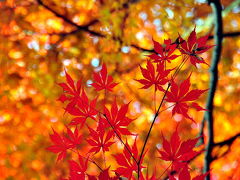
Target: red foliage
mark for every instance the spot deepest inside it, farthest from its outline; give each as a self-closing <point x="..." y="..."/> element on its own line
<point x="103" y="80"/>
<point x="70" y="91"/>
<point x="113" y="123"/>
<point x="117" y="119"/>
<point x="158" y="78"/>
<point x="127" y="161"/>
<point x="97" y="141"/>
<point x="193" y="47"/>
<point x="179" y="153"/>
<point x="164" y="52"/>
<point x="180" y="96"/>
<point x="83" y="110"/>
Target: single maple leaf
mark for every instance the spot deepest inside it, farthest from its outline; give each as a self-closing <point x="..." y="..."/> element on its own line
<point x="158" y="78"/>
<point x="164" y="52"/>
<point x="117" y="119"/>
<point x="104" y="175"/>
<point x="185" y="175"/>
<point x="97" y="140"/>
<point x="77" y="170"/>
<point x="103" y="80"/>
<point x="180" y="95"/>
<point x="83" y="110"/>
<point x="193" y="47"/>
<point x="61" y="145"/>
<point x="178" y="152"/>
<point x="71" y="92"/>
<point x="126" y="161"/>
<point x="74" y="137"/>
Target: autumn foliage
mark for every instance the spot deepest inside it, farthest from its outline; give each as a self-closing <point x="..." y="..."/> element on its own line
<point x="109" y="124"/>
<point x="129" y="65"/>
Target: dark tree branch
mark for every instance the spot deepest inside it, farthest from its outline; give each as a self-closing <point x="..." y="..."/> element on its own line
<point x="56" y="13"/>
<point x="227" y="35"/>
<point x="79" y="27"/>
<point x="87" y="29"/>
<point x="228" y="141"/>
<point x="208" y="116"/>
<point x="141" y="49"/>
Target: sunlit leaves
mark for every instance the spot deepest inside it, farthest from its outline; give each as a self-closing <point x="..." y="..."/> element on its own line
<point x="71" y="92"/>
<point x="103" y="80"/>
<point x="178" y="152"/>
<point x="61" y="145"/>
<point x="99" y="141"/>
<point x="164" y="53"/>
<point x="152" y="77"/>
<point x="193" y="47"/>
<point x="180" y="96"/>
<point x="35" y="43"/>
<point x="77" y="170"/>
<point x="116" y="119"/>
<point x="125" y="161"/>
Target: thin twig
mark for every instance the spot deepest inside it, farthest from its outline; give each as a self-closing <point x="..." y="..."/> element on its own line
<point x="149" y="132"/>
<point x="164" y="171"/>
<point x="158" y="112"/>
<point x="120" y="138"/>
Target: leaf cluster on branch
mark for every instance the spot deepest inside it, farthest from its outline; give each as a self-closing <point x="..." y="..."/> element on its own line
<point x="109" y="124"/>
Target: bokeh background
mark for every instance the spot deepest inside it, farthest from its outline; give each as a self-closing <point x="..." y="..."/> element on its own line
<point x="38" y="38"/>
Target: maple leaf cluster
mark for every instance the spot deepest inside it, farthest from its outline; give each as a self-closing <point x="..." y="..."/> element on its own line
<point x="158" y="77"/>
<point x="109" y="125"/>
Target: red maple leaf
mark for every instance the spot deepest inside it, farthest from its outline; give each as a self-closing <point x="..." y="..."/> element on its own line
<point x="193" y="47"/>
<point x="158" y="78"/>
<point x="83" y="110"/>
<point x="178" y="152"/>
<point x="104" y="175"/>
<point x="97" y="140"/>
<point x="185" y="175"/>
<point x="61" y="145"/>
<point x="74" y="137"/>
<point x="126" y="161"/>
<point x="117" y="120"/>
<point x="77" y="170"/>
<point x="180" y="95"/>
<point x="103" y="80"/>
<point x="70" y="91"/>
<point x="164" y="52"/>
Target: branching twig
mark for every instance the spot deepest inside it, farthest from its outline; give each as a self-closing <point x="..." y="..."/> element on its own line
<point x="87" y="29"/>
<point x="120" y="139"/>
<point x="228" y="141"/>
<point x="79" y="27"/>
<point x="149" y="132"/>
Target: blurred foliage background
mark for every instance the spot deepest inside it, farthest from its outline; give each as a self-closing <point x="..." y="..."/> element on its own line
<point x="38" y="38"/>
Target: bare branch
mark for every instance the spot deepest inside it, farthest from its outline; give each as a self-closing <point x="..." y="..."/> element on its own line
<point x="227" y="35"/>
<point x="228" y="141"/>
<point x="79" y="27"/>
